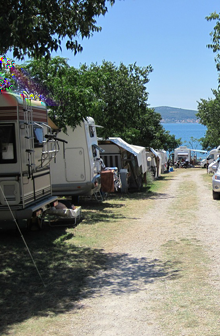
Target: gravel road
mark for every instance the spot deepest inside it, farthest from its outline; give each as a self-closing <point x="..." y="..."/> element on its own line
<point x="123" y="299"/>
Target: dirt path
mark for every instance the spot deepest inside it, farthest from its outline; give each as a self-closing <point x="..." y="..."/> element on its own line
<point x="163" y="277"/>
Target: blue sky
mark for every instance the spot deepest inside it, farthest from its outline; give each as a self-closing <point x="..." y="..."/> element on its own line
<point x="170" y="35"/>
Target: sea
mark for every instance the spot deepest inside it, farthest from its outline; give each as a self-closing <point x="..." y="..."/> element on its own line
<point x="185" y="131"/>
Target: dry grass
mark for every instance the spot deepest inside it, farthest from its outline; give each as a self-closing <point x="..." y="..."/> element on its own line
<point x="188" y="304"/>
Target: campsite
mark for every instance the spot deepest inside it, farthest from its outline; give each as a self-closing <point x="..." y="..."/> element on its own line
<point x="134" y="257"/>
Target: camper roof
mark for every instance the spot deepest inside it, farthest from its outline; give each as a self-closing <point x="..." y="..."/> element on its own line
<point x="12" y="107"/>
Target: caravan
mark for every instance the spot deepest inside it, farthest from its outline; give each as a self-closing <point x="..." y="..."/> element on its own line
<point x="76" y="171"/>
<point x="182" y="153"/>
<point x="163" y="155"/>
<point x="26" y="149"/>
<point x="154" y="163"/>
<point x="213" y="155"/>
<point x="130" y="161"/>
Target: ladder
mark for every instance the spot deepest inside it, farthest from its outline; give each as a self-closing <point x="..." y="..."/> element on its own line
<point x="50" y="145"/>
<point x="29" y="134"/>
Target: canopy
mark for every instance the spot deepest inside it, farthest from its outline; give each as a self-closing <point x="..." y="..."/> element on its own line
<point x="137" y="151"/>
<point x="200" y="151"/>
<point x="154" y="152"/>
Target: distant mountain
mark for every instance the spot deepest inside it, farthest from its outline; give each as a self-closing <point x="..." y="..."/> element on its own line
<point x="176" y="115"/>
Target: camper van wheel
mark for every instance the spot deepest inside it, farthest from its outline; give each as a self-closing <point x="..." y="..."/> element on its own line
<point x="215" y="195"/>
<point x="35" y="223"/>
<point x="75" y="199"/>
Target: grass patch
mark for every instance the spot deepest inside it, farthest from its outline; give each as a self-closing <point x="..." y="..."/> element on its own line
<point x="207" y="178"/>
<point x="189" y="303"/>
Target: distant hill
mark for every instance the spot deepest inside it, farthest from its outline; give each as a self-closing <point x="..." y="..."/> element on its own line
<point x="176" y="115"/>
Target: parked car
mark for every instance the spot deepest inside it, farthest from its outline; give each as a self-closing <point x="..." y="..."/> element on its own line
<point x="212" y="168"/>
<point x="216" y="184"/>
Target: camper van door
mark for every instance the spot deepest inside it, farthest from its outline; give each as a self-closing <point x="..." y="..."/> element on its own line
<point x="78" y="173"/>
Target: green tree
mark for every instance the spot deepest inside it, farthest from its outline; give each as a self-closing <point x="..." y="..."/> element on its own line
<point x="36" y="28"/>
<point x="115" y="96"/>
<point x="192" y="143"/>
<point x="121" y="93"/>
<point x="215" y="35"/>
<point x="59" y="85"/>
<point x="123" y="110"/>
<point x="208" y="113"/>
<point x="209" y="110"/>
<point x="149" y="132"/>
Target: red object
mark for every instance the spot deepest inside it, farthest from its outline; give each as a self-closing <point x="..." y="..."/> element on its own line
<point x="107" y="181"/>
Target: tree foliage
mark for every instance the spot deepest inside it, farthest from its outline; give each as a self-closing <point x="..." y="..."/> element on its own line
<point x="215" y="35"/>
<point x="121" y="93"/>
<point x="209" y="110"/>
<point x="36" y="28"/>
<point x="209" y="114"/>
<point x="60" y="86"/>
<point x="115" y="96"/>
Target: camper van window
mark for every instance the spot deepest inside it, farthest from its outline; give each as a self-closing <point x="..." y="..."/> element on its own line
<point x="38" y="137"/>
<point x="7" y="144"/>
<point x="94" y="151"/>
<point x="91" y="131"/>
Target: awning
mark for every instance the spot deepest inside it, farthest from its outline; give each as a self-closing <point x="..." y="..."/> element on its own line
<point x="121" y="143"/>
<point x="52" y="124"/>
<point x="154" y="152"/>
<point x="199" y="151"/>
<point x="137" y="151"/>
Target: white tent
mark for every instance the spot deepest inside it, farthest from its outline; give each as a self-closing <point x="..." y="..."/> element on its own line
<point x="137" y="151"/>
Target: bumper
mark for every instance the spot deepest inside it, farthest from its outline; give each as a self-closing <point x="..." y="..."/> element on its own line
<point x="215" y="184"/>
<point x="27" y="213"/>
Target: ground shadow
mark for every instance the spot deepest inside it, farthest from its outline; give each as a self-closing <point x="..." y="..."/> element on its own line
<point x="127" y="274"/>
<point x="64" y="269"/>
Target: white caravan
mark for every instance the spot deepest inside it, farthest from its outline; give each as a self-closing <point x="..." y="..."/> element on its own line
<point x="154" y="162"/>
<point x="182" y="153"/>
<point x="26" y="149"/>
<point x="213" y="155"/>
<point x="76" y="171"/>
<point x="163" y="155"/>
<point x="129" y="159"/>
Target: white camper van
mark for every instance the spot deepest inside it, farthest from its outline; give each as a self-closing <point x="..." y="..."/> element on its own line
<point x="182" y="153"/>
<point x="76" y="171"/>
<point x="213" y="155"/>
<point x="26" y="150"/>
